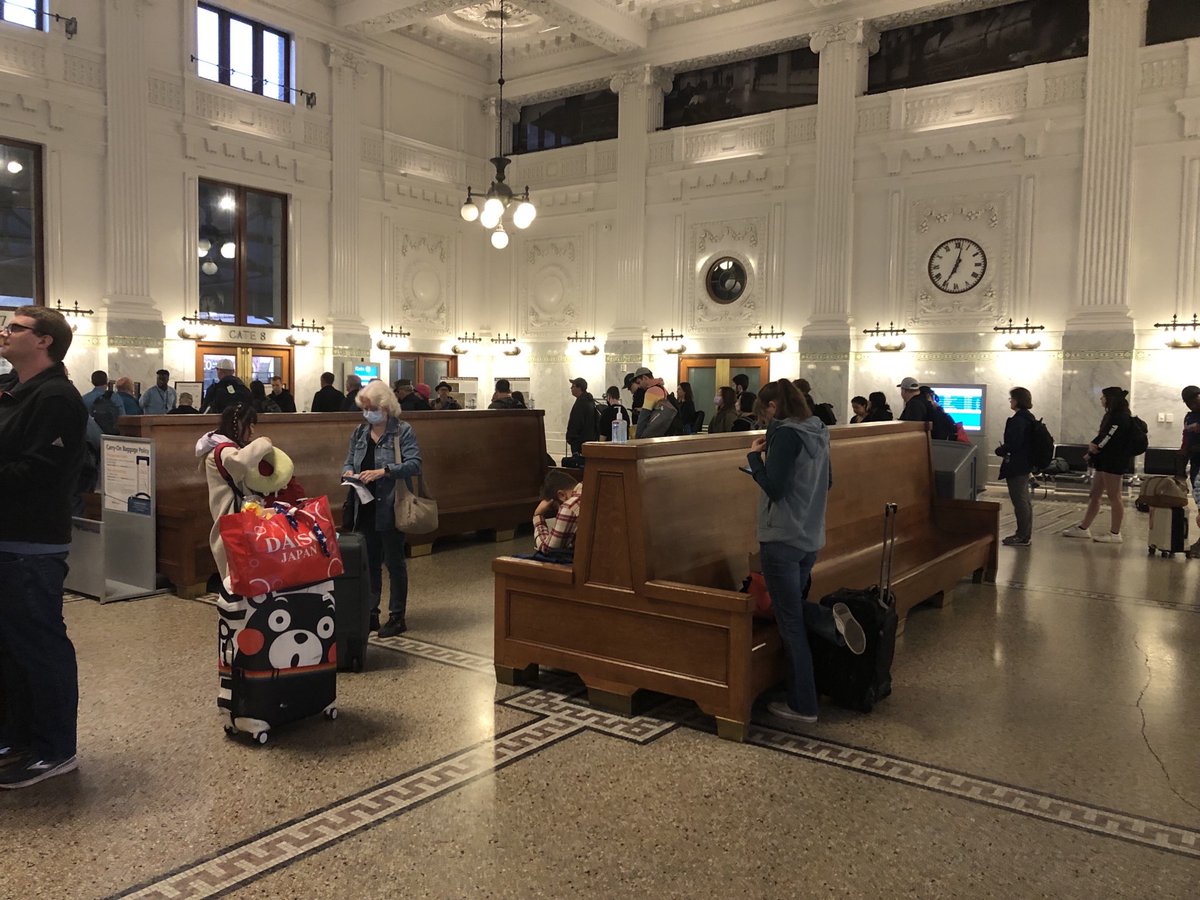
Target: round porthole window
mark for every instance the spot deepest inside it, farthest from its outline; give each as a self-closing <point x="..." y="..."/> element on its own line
<point x="726" y="280"/>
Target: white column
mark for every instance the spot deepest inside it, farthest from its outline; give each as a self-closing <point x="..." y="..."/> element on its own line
<point x="1115" y="34"/>
<point x="844" y="50"/>
<point x="346" y="68"/>
<point x="127" y="169"/>
<point x="640" y="90"/>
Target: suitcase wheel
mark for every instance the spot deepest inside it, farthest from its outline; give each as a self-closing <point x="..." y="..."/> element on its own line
<point x="1164" y="553"/>
<point x="331" y="713"/>
<point x="231" y="731"/>
<point x="262" y="737"/>
<point x="1150" y="550"/>
<point x="867" y="702"/>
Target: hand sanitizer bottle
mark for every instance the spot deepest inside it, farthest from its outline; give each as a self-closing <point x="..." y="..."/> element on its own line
<point x="620" y="428"/>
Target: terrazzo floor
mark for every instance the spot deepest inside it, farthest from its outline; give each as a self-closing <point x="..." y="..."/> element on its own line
<point x="1041" y="742"/>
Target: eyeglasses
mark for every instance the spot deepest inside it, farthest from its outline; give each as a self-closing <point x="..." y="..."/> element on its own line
<point x="15" y="327"/>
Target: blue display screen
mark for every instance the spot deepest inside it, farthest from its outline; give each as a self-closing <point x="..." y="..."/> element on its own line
<point x="964" y="403"/>
<point x="366" y="371"/>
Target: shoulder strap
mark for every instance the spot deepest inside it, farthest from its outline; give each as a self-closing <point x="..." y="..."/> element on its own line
<point x="239" y="497"/>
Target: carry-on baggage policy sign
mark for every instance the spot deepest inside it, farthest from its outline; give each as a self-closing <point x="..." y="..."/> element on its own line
<point x="126" y="464"/>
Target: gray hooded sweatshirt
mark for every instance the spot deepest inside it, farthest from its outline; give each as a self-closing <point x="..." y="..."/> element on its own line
<point x="795" y="483"/>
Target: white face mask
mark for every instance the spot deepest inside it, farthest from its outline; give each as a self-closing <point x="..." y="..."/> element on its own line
<point x="374" y="416"/>
<point x="717" y="400"/>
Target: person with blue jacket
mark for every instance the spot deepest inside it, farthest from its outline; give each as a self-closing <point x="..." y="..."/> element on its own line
<point x="791" y="465"/>
<point x="382" y="450"/>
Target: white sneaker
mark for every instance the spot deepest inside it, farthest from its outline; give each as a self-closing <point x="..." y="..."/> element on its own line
<point x="1076" y="532"/>
<point x="1109" y="538"/>
<point x="781" y="710"/>
<point x="849" y="628"/>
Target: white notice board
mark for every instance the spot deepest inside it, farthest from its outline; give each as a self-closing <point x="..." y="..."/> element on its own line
<point x="127" y="474"/>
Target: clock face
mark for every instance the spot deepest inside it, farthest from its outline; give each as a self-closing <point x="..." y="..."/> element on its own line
<point x="957" y="265"/>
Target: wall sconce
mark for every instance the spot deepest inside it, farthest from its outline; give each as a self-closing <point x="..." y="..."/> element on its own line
<point x="672" y="343"/>
<point x="587" y="343"/>
<point x="1024" y="338"/>
<point x="508" y="344"/>
<point x="299" y="340"/>
<point x="769" y="341"/>
<point x="889" y="339"/>
<point x="463" y="347"/>
<point x="198" y="330"/>
<point x="73" y="312"/>
<point x="390" y="336"/>
<point x="70" y="23"/>
<point x="1181" y="343"/>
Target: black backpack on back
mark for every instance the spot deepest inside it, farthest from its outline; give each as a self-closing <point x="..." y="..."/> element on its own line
<point x="1141" y="437"/>
<point x="1041" y="446"/>
<point x="106" y="412"/>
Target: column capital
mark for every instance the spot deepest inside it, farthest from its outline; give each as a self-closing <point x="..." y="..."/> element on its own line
<point x="344" y="60"/>
<point x="859" y="32"/>
<point x="643" y="78"/>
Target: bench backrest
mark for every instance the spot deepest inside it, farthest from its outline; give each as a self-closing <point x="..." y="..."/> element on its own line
<point x="678" y="509"/>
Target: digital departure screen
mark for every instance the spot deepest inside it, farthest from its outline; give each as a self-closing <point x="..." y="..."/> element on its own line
<point x="964" y="403"/>
<point x="366" y="371"/>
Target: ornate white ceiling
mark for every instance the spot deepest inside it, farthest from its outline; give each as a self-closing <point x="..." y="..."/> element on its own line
<point x="547" y="37"/>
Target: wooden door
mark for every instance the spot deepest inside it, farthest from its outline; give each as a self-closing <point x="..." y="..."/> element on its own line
<point x="253" y="362"/>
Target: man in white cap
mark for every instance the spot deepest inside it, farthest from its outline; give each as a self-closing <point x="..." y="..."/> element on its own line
<point x="228" y="390"/>
<point x="916" y="407"/>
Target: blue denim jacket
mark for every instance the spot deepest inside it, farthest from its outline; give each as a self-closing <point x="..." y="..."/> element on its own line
<point x="385" y="458"/>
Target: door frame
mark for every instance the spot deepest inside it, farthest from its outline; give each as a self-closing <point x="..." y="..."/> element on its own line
<point x="241" y="353"/>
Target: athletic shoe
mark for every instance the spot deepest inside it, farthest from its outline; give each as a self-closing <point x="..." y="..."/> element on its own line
<point x="1109" y="538"/>
<point x="781" y="710"/>
<point x="1013" y="541"/>
<point x="374" y="624"/>
<point x="32" y="772"/>
<point x="848" y="627"/>
<point x="1076" y="532"/>
<point x="12" y="754"/>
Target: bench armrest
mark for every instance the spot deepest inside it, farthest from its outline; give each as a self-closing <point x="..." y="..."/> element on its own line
<point x="695" y="595"/>
<point x="556" y="573"/>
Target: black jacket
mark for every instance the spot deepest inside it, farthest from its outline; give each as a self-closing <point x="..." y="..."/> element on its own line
<point x="1017" y="445"/>
<point x="414" y="402"/>
<point x="609" y="415"/>
<point x="878" y="415"/>
<point x="348" y="405"/>
<point x="226" y="392"/>
<point x="42" y="428"/>
<point x="328" y="399"/>
<point x="583" y="423"/>
<point x="1115" y="441"/>
<point x="285" y="400"/>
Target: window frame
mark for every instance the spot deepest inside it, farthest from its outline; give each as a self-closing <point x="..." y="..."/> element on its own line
<point x="224" y="63"/>
<point x="38" y="10"/>
<point x="242" y="274"/>
<point x="39" y="208"/>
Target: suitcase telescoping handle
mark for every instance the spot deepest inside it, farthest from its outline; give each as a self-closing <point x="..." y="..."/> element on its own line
<point x="889" y="550"/>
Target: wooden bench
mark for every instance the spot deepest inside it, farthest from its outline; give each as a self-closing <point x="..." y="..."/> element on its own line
<point x="666" y="526"/>
<point x="485" y="467"/>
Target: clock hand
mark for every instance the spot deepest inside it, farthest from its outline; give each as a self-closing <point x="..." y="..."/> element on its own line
<point x="957" y="263"/>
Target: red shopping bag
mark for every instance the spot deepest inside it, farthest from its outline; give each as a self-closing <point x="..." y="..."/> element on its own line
<point x="279" y="547"/>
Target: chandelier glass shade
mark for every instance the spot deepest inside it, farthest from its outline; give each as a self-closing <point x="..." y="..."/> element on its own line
<point x="499" y="197"/>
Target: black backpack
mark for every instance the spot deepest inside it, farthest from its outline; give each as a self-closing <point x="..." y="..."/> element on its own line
<point x="944" y="427"/>
<point x="106" y="412"/>
<point x="1041" y="446"/>
<point x="824" y="412"/>
<point x="1141" y="437"/>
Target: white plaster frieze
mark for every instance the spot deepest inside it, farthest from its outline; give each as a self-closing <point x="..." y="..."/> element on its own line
<point x="164" y="93"/>
<point x="84" y="71"/>
<point x="424" y="281"/>
<point x="735" y="177"/>
<point x="553" y="295"/>
<point x="858" y="32"/>
<point x="968" y="142"/>
<point x="37" y="112"/>
<point x="742" y="239"/>
<point x="232" y="150"/>
<point x="20" y="57"/>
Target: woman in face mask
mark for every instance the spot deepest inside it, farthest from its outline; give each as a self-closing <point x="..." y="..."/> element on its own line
<point x="726" y="411"/>
<point x="382" y="449"/>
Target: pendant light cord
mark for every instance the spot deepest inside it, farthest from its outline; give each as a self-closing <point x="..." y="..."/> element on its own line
<point x="500" y="82"/>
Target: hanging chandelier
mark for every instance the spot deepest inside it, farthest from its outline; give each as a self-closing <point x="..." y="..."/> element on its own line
<point x="499" y="196"/>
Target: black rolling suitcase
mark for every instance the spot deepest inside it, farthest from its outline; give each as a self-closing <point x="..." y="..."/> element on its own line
<point x="859" y="682"/>
<point x="353" y="605"/>
<point x="276" y="658"/>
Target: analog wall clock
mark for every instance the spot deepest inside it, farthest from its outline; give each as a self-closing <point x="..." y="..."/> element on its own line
<point x="957" y="265"/>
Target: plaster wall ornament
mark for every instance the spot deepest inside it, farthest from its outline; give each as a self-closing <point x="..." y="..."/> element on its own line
<point x="783" y="45"/>
<point x="552" y="284"/>
<point x="562" y="91"/>
<point x="985" y="218"/>
<point x="643" y="79"/>
<point x="591" y="31"/>
<point x="344" y="60"/>
<point x="1189" y="109"/>
<point x="423" y="289"/>
<point x="967" y="144"/>
<point x="932" y="13"/>
<point x="394" y="21"/>
<point x="744" y="240"/>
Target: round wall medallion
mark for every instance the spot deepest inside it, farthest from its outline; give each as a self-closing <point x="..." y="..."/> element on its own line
<point x="726" y="280"/>
<point x="424" y="286"/>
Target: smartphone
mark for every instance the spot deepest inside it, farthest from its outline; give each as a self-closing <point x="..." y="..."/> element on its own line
<point x="746" y="469"/>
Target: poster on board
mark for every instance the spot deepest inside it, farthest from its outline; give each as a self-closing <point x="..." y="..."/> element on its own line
<point x="126" y="468"/>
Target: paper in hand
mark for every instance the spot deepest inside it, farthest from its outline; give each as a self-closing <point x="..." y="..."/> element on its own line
<point x="361" y="490"/>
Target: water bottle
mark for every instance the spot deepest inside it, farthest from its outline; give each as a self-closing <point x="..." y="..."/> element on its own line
<point x="620" y="428"/>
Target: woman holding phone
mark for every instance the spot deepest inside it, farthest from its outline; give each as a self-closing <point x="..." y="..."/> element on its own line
<point x="790" y="463"/>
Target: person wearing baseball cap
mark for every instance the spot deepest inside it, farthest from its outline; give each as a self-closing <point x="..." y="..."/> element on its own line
<point x="583" y="424"/>
<point x="916" y="407"/>
<point x="227" y="391"/>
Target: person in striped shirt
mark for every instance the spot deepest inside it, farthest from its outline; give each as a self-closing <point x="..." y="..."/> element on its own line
<point x="560" y="498"/>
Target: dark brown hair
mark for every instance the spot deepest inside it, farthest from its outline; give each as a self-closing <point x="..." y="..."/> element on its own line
<point x="557" y="480"/>
<point x="53" y="325"/>
<point x="789" y="402"/>
<point x="684" y="392"/>
<point x="728" y="398"/>
<point x="1022" y="396"/>
<point x="234" y="421"/>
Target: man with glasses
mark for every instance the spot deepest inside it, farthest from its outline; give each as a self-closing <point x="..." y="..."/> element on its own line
<point x="42" y="426"/>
